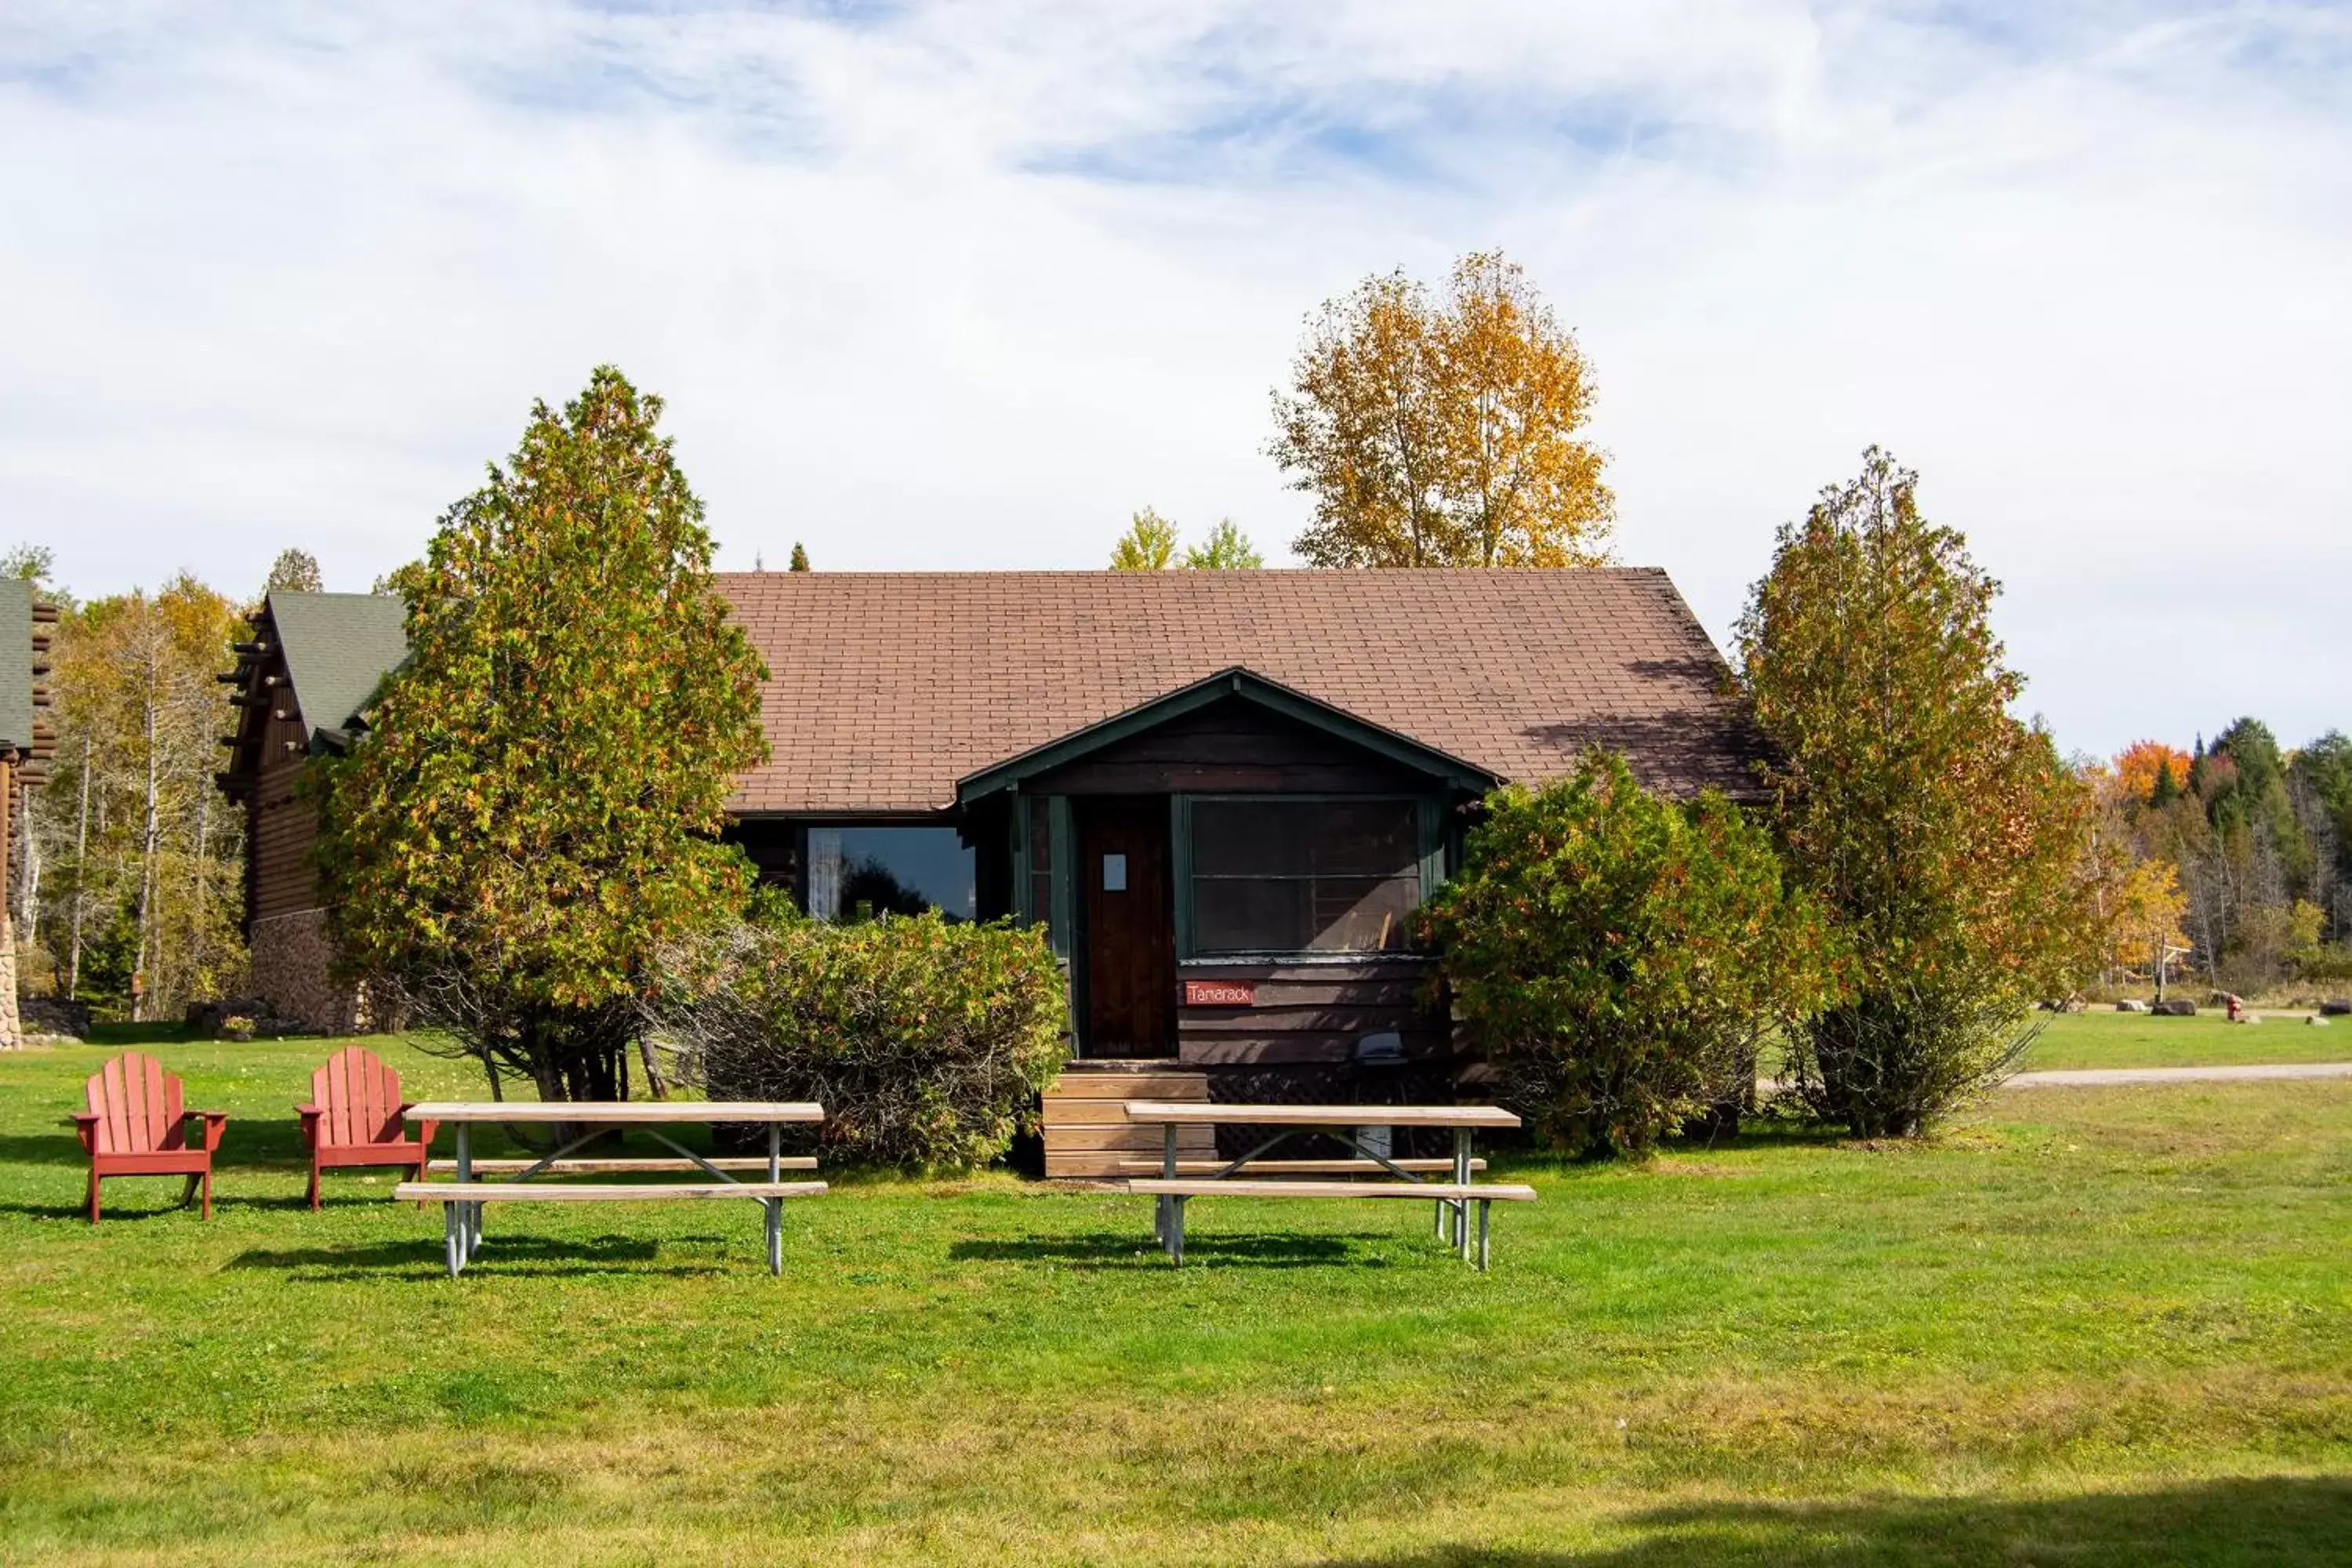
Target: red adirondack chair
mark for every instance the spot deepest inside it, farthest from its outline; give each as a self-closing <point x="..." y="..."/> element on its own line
<point x="354" y="1118"/>
<point x="134" y="1127"/>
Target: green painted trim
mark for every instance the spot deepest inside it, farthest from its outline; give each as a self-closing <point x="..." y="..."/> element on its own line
<point x="1063" y="928"/>
<point x="1022" y="900"/>
<point x="1061" y="846"/>
<point x="1180" y="864"/>
<point x="1250" y="686"/>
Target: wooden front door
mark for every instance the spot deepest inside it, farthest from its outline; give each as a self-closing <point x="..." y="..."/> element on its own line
<point x="1129" y="913"/>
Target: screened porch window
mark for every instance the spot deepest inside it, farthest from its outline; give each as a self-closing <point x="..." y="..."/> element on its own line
<point x="1303" y="876"/>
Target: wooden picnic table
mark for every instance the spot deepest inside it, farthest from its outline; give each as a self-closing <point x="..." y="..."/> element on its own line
<point x="1452" y="1197"/>
<point x="463" y="1201"/>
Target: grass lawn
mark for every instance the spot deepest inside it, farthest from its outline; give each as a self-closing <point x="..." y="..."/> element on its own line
<point x="2083" y="1325"/>
<point x="2112" y="1039"/>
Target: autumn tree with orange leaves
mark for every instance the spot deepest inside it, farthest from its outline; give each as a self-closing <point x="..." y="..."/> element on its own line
<point x="1444" y="433"/>
<point x="2152" y="772"/>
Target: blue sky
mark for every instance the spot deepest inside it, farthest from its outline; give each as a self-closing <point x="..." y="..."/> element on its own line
<point x="964" y="285"/>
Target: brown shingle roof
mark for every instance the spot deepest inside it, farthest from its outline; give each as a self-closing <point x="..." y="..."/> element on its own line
<point x="884" y="689"/>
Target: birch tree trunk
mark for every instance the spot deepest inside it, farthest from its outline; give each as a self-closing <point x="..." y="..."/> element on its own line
<point x="151" y="842"/>
<point x="81" y="873"/>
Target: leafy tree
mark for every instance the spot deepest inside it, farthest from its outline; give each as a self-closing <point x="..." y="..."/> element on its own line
<point x="2325" y="767"/>
<point x="2143" y="915"/>
<point x="1443" y="434"/>
<point x="155" y="853"/>
<point x="294" y="572"/>
<point x="1619" y="955"/>
<point x="1227" y="548"/>
<point x="1946" y="841"/>
<point x="800" y="558"/>
<point x="2320" y="781"/>
<point x="2142" y="768"/>
<point x="1148" y="545"/>
<point x="534" y="807"/>
<point x="28" y="562"/>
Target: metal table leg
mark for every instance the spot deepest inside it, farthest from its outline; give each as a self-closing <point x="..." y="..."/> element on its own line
<point x="1483" y="1207"/>
<point x="1166" y="1214"/>
<point x="775" y="1206"/>
<point x="1461" y="1179"/>
<point x="469" y="1214"/>
<point x="452" y="1253"/>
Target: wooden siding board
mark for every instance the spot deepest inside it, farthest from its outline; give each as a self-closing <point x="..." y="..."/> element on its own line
<point x="1294" y="1049"/>
<point x="1231" y="746"/>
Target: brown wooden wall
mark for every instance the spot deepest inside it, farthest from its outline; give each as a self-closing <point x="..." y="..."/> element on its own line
<point x="1231" y="745"/>
<point x="280" y="827"/>
<point x="1311" y="1012"/>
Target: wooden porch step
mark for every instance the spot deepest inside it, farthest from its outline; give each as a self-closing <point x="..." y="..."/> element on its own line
<point x="1087" y="1135"/>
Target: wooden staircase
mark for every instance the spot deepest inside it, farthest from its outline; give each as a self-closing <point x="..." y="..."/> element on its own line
<point x="1087" y="1135"/>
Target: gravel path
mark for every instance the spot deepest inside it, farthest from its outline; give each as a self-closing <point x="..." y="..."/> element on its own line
<point x="2094" y="1075"/>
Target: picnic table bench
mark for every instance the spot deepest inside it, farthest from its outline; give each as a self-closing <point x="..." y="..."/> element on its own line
<point x="1452" y="1197"/>
<point x="462" y="1201"/>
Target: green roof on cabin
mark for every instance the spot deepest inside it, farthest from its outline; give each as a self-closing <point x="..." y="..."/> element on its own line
<point x="16" y="664"/>
<point x="339" y="647"/>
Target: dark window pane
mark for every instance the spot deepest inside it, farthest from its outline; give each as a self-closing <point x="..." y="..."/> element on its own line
<point x="857" y="873"/>
<point x="1247" y="838"/>
<point x="1304" y="838"/>
<point x="1247" y="915"/>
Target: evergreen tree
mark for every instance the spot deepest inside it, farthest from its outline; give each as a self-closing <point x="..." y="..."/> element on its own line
<point x="534" y="807"/>
<point x="294" y="572"/>
<point x="1946" y="841"/>
<point x="800" y="558"/>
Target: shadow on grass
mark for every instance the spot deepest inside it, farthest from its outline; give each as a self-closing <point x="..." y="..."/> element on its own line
<point x="2268" y="1519"/>
<point x="60" y="1148"/>
<point x="1125" y="1249"/>
<point x="139" y="1034"/>
<point x="153" y="1197"/>
<point x="508" y="1255"/>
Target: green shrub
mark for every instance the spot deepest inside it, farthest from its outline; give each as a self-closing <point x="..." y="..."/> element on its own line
<point x="924" y="1040"/>
<point x="1619" y="956"/>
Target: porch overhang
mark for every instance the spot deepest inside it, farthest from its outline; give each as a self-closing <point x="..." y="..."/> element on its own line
<point x="1245" y="685"/>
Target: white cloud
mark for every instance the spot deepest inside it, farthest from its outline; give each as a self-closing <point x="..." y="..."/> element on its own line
<point x="962" y="285"/>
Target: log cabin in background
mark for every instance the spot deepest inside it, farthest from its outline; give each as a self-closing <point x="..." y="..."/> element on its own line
<point x="312" y="662"/>
<point x="1223" y="794"/>
<point x="27" y="745"/>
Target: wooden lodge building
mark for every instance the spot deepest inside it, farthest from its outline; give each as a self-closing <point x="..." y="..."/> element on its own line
<point x="313" y="661"/>
<point x="1223" y="794"/>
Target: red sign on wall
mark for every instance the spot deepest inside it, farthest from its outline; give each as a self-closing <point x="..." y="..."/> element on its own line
<point x="1221" y="993"/>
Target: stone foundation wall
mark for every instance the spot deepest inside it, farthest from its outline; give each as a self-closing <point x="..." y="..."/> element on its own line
<point x="293" y="966"/>
<point x="11" y="1033"/>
